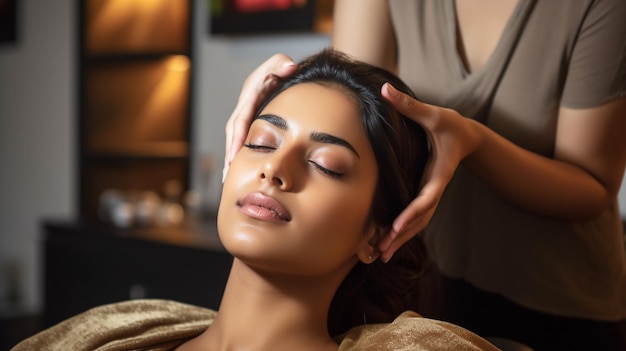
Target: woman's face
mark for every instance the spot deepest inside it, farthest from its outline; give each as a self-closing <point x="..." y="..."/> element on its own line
<point x="297" y="196"/>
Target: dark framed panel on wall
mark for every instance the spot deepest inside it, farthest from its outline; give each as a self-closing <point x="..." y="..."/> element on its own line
<point x="8" y="21"/>
<point x="249" y="17"/>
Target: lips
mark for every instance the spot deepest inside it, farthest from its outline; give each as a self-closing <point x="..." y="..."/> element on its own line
<point x="263" y="207"/>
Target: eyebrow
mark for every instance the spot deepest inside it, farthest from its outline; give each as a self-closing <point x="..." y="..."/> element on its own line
<point x="319" y="137"/>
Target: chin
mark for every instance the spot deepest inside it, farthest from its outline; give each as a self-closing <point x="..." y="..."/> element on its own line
<point x="237" y="236"/>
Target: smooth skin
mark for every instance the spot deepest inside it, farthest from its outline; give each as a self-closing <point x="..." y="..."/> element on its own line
<point x="295" y="215"/>
<point x="578" y="183"/>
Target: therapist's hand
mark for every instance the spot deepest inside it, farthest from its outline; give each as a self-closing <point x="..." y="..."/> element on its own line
<point x="452" y="138"/>
<point x="257" y="87"/>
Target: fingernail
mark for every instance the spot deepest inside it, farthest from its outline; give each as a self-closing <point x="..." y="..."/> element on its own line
<point x="391" y="89"/>
<point x="399" y="227"/>
<point x="288" y="64"/>
<point x="387" y="259"/>
<point x="224" y="172"/>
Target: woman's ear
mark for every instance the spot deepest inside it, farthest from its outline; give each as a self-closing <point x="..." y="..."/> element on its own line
<point x="368" y="252"/>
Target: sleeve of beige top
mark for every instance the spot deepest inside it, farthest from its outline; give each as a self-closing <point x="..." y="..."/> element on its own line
<point x="597" y="70"/>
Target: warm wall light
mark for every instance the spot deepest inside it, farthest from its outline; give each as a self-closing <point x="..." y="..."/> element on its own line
<point x="179" y="63"/>
<point x="136" y="25"/>
<point x="167" y="98"/>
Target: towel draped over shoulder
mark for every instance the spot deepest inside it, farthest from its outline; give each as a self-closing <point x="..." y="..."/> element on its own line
<point x="163" y="325"/>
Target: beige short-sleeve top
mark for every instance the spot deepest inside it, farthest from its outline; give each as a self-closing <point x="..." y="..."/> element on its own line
<point x="551" y="53"/>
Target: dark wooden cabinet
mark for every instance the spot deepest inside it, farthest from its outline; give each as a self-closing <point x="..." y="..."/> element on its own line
<point x="87" y="266"/>
<point x="134" y="97"/>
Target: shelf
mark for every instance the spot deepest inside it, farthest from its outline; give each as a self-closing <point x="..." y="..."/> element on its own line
<point x="126" y="175"/>
<point x="174" y="149"/>
<point x="135" y="102"/>
<point x="123" y="26"/>
<point x="134" y="97"/>
<point x="104" y="58"/>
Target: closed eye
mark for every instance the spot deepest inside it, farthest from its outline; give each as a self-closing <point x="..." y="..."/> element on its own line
<point x="326" y="171"/>
<point x="259" y="147"/>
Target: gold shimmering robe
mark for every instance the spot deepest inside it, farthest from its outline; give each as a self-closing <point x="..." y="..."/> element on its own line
<point x="163" y="325"/>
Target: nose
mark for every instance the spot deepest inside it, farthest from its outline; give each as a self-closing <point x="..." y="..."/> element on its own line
<point x="277" y="171"/>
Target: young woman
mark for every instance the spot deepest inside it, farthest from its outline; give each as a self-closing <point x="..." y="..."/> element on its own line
<point x="326" y="167"/>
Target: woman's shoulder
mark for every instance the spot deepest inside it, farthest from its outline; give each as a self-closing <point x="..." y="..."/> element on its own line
<point x="153" y="323"/>
<point x="410" y="331"/>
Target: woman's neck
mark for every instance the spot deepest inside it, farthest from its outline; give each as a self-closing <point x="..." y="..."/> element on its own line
<point x="261" y="311"/>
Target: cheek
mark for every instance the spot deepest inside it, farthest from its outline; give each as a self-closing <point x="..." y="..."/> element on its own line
<point x="236" y="179"/>
<point x="345" y="211"/>
<point x="240" y="171"/>
<point x="337" y="223"/>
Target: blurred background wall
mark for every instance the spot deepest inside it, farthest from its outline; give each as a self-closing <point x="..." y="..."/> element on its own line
<point x="38" y="115"/>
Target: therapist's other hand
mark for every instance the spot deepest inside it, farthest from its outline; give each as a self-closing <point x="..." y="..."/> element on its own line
<point x="257" y="87"/>
<point x="452" y="137"/>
